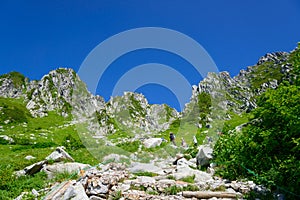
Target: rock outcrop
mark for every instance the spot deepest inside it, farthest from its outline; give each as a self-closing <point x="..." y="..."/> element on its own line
<point x="133" y="112"/>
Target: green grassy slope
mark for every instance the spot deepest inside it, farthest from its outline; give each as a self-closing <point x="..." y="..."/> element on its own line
<point x="37" y="137"/>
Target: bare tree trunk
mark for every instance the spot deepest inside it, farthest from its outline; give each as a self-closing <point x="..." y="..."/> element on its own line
<point x="207" y="195"/>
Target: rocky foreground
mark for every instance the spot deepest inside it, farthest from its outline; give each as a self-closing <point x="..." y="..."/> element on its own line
<point x="161" y="179"/>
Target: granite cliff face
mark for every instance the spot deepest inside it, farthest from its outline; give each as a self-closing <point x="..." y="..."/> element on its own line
<point x="226" y="91"/>
<point x="133" y="111"/>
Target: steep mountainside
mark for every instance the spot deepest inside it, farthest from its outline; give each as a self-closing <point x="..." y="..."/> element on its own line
<point x="62" y="91"/>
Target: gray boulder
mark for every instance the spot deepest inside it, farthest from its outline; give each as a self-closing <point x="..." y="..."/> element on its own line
<point x="204" y="155"/>
<point x="75" y="192"/>
<point x="32" y="169"/>
<point x="59" y="155"/>
<point x="30" y="157"/>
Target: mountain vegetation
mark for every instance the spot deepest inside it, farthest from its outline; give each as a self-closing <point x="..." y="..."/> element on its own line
<point x="267" y="149"/>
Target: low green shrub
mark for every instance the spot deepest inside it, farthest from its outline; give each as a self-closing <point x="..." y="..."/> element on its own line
<point x="63" y="176"/>
<point x="130" y="146"/>
<point x="189" y="179"/>
<point x="267" y="150"/>
<point x="71" y="143"/>
<point x="173" y="190"/>
<point x="190" y="187"/>
<point x="11" y="187"/>
<point x="150" y="174"/>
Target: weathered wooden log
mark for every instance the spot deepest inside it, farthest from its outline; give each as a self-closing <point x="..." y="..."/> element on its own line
<point x="208" y="194"/>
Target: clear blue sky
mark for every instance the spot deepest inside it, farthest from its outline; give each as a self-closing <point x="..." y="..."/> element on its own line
<point x="38" y="36"/>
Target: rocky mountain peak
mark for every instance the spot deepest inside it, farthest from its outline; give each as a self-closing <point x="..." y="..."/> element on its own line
<point x="275" y="57"/>
<point x="52" y="92"/>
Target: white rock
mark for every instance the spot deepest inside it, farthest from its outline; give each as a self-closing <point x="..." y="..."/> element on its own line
<point x="145" y="167"/>
<point x="34" y="192"/>
<point x="124" y="187"/>
<point x="7" y="138"/>
<point x="97" y="189"/>
<point x="95" y="198"/>
<point x="210" y="170"/>
<point x="184" y="162"/>
<point x="146" y="179"/>
<point x="152" y="142"/>
<point x="200" y="176"/>
<point x="230" y="190"/>
<point x="51" y="170"/>
<point x="167" y="182"/>
<point x="69" y="193"/>
<point x="59" y="155"/>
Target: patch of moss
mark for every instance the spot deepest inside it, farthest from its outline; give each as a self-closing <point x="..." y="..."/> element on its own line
<point x="51" y="86"/>
<point x="61" y="70"/>
<point x="30" y="93"/>
<point x="169" y="112"/>
<point x="102" y="115"/>
<point x="265" y="72"/>
<point x="150" y="174"/>
<point x="189" y="179"/>
<point x="136" y="107"/>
